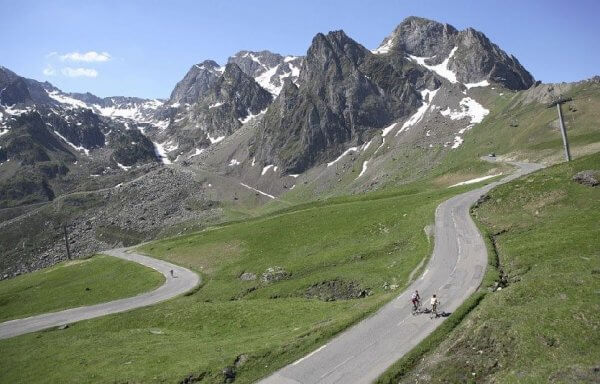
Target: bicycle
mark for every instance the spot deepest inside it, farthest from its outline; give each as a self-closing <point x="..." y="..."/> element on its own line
<point x="419" y="309"/>
<point x="434" y="311"/>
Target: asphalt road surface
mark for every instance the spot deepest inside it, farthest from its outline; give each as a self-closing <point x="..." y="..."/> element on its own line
<point x="455" y="271"/>
<point x="182" y="281"/>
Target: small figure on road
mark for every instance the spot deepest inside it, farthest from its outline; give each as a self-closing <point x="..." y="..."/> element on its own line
<point x="434" y="304"/>
<point x="415" y="298"/>
<point x="172" y="274"/>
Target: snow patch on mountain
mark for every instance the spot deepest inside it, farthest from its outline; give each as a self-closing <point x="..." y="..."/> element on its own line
<point x="77" y="147"/>
<point x="14" y="111"/>
<point x="427" y="96"/>
<point x="347" y="151"/>
<point x="251" y="116"/>
<point x="364" y="168"/>
<point x="387" y="130"/>
<point x="123" y="167"/>
<point x="264" y="80"/>
<point x="482" y="83"/>
<point x="66" y="100"/>
<point x="161" y="153"/>
<point x="196" y="153"/>
<point x="266" y="168"/>
<point x="214" y="140"/>
<point x="441" y="69"/>
<point x="258" y="191"/>
<point x="384" y="47"/>
<point x="469" y="109"/>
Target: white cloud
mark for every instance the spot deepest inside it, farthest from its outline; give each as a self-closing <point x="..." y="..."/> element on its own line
<point x="79" y="72"/>
<point x="49" y="71"/>
<point x="88" y="57"/>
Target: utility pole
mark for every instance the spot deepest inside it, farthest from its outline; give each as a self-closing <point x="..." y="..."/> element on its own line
<point x="67" y="241"/>
<point x="563" y="131"/>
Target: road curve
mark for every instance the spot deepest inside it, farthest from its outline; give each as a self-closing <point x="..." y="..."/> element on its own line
<point x="183" y="281"/>
<point x="456" y="268"/>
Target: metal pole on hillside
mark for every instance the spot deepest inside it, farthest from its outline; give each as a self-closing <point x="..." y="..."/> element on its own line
<point x="563" y="130"/>
<point x="67" y="241"/>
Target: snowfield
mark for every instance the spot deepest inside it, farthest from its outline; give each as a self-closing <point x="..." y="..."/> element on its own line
<point x="427" y="96"/>
<point x="441" y="69"/>
<point x="364" y="168"/>
<point x="469" y="109"/>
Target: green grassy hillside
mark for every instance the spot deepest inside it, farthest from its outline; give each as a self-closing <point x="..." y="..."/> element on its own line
<point x="521" y="127"/>
<point x="332" y="253"/>
<point x="542" y="326"/>
<point x="73" y="284"/>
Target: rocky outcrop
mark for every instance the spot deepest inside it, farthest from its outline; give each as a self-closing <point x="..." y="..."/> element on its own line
<point x="591" y="178"/>
<point x="131" y="147"/>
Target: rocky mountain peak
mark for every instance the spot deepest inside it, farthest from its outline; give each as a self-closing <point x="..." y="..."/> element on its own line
<point x="196" y="82"/>
<point x="255" y="63"/>
<point x="423" y="37"/>
<point x="340" y="100"/>
<point x="267" y="68"/>
<point x="469" y="54"/>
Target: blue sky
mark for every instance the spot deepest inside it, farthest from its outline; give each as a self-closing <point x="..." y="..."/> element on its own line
<point x="144" y="47"/>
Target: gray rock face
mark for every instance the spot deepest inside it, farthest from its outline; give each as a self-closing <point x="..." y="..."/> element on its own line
<point x="132" y="147"/>
<point x="240" y="91"/>
<point x="81" y="127"/>
<point x="422" y="37"/>
<point x="15" y="89"/>
<point x="345" y="93"/>
<point x="255" y="63"/>
<point x="219" y="110"/>
<point x="475" y="59"/>
<point x="199" y="79"/>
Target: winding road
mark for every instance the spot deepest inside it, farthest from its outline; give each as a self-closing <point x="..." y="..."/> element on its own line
<point x="455" y="271"/>
<point x="363" y="352"/>
<point x="182" y="281"/>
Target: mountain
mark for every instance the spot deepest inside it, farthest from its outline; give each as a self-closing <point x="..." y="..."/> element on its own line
<point x="469" y="55"/>
<point x="197" y="81"/>
<point x="340" y="99"/>
<point x="210" y="104"/>
<point x="47" y="134"/>
<point x="268" y="69"/>
<point x="262" y="128"/>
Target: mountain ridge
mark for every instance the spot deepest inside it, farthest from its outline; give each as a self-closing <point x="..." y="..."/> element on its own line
<point x="339" y="119"/>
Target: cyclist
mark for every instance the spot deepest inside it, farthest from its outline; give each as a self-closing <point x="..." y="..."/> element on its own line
<point x="434" y="304"/>
<point x="415" y="298"/>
